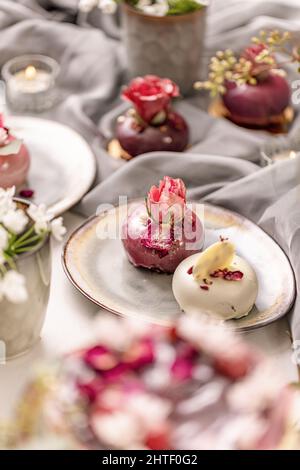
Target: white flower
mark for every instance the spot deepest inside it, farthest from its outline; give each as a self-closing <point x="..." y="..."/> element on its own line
<point x="6" y="201"/>
<point x="118" y="429"/>
<point x="57" y="229"/>
<point x="159" y="8"/>
<point x="13" y="287"/>
<point x="141" y="4"/>
<point x="40" y="216"/>
<point x="263" y="386"/>
<point x="210" y="335"/>
<point x="3" y="136"/>
<point x="87" y="5"/>
<point x="107" y="6"/>
<point x="3" y="238"/>
<point x="151" y="410"/>
<point x="15" y="220"/>
<point x="3" y="244"/>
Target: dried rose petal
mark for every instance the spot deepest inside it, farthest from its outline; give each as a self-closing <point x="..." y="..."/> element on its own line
<point x="116" y="373"/>
<point x="161" y="248"/>
<point x="227" y="275"/>
<point x="90" y="390"/>
<point x="235" y="366"/>
<point x="187" y="351"/>
<point x="182" y="368"/>
<point x="204" y="287"/>
<point x="234" y="276"/>
<point x="190" y="270"/>
<point x="140" y="354"/>
<point x="158" y="440"/>
<point x="100" y="358"/>
<point x="27" y="193"/>
<point x="156" y="240"/>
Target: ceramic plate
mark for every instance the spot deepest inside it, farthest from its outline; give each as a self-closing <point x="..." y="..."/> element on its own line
<point x="62" y="167"/>
<point x="98" y="268"/>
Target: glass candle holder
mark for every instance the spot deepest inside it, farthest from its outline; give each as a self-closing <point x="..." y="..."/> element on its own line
<point x="280" y="149"/>
<point x="31" y="82"/>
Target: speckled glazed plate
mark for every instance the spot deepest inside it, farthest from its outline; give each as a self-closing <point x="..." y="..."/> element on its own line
<point x="98" y="267"/>
<point x="62" y="165"/>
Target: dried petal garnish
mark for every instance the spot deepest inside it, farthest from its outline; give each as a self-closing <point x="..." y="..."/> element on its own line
<point x="235" y="366"/>
<point x="227" y="275"/>
<point x="90" y="390"/>
<point x="204" y="287"/>
<point x="190" y="270"/>
<point x="99" y="358"/>
<point x="182" y="368"/>
<point x="140" y="354"/>
<point x="27" y="193"/>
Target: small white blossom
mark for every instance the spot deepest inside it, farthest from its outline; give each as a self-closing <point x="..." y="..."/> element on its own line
<point x="12" y="286"/>
<point x="141" y="4"/>
<point x="87" y="5"/>
<point x="15" y="220"/>
<point x="3" y="238"/>
<point x="159" y="8"/>
<point x="6" y="201"/>
<point x="57" y="229"/>
<point x="40" y="216"/>
<point x="263" y="386"/>
<point x="150" y="410"/>
<point x="3" y="136"/>
<point x="107" y="6"/>
<point x="118" y="429"/>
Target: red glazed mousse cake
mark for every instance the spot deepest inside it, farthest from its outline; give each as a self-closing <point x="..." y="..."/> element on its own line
<point x="14" y="159"/>
<point x="263" y="103"/>
<point x="151" y="124"/>
<point x="162" y="231"/>
<point x="253" y="87"/>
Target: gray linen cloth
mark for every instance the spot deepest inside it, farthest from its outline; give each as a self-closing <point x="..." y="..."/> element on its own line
<point x="221" y="166"/>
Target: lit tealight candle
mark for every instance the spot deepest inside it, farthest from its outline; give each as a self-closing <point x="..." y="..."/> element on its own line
<point x="284" y="155"/>
<point x="280" y="149"/>
<point x="30" y="82"/>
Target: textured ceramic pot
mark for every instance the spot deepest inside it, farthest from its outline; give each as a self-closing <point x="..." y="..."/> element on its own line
<point x="169" y="46"/>
<point x="21" y="324"/>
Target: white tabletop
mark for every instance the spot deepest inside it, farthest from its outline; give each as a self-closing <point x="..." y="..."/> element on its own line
<point x="69" y="324"/>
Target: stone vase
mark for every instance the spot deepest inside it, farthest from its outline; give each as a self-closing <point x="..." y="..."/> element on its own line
<point x="169" y="46"/>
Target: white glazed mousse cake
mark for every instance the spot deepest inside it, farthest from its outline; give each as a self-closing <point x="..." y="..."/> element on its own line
<point x="216" y="282"/>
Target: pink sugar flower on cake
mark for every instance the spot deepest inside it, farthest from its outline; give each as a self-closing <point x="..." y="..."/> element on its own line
<point x="151" y="124"/>
<point x="159" y="233"/>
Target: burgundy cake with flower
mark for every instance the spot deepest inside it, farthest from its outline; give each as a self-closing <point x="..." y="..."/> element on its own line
<point x="151" y="124"/>
<point x="253" y="87"/>
<point x="162" y="231"/>
<point x="14" y="159"/>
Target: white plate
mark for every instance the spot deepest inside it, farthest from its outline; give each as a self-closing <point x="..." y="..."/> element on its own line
<point x="99" y="269"/>
<point x="63" y="166"/>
